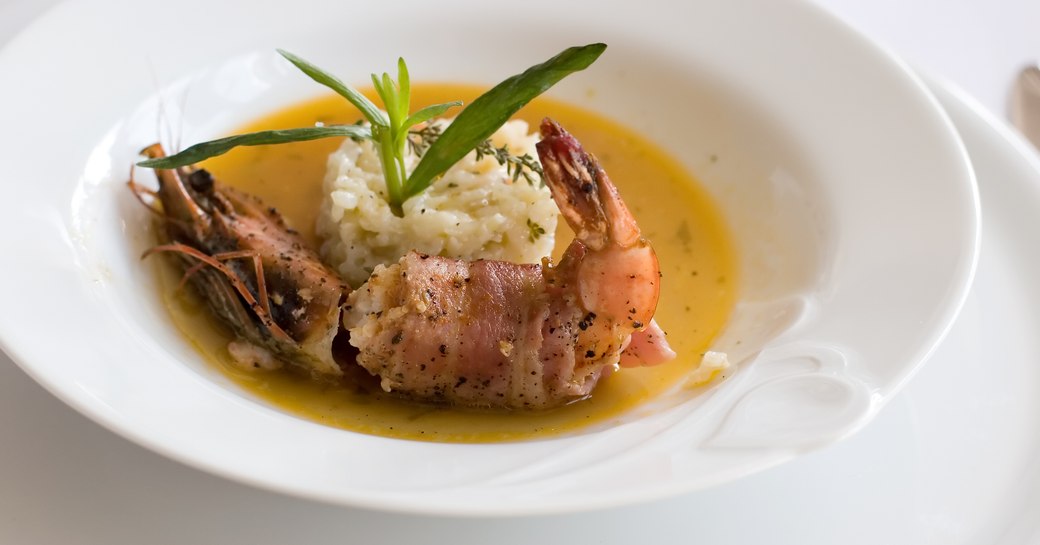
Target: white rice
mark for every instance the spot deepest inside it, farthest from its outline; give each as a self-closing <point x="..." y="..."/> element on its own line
<point x="474" y="211"/>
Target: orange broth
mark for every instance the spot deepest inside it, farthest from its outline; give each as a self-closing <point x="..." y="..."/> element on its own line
<point x="695" y="250"/>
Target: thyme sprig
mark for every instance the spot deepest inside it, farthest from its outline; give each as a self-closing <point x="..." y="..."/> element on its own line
<point x="390" y="128"/>
<point x="420" y="140"/>
<point x="517" y="166"/>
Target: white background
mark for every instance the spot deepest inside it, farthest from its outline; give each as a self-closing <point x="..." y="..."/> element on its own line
<point x="977" y="44"/>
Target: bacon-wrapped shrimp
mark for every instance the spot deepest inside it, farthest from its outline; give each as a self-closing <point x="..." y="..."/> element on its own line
<point x="498" y="334"/>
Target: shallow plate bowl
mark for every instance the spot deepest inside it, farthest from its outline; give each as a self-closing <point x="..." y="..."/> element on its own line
<point x="850" y="196"/>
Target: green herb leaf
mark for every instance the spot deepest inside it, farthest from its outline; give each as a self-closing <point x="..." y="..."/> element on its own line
<point x="388" y="93"/>
<point x="360" y="101"/>
<point x="492" y="109"/>
<point x="405" y="91"/>
<point x="205" y="150"/>
<point x="429" y="113"/>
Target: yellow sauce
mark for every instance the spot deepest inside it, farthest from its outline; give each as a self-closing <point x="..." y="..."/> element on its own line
<point x="686" y="229"/>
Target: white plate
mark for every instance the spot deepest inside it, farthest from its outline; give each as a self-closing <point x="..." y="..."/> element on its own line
<point x="952" y="460"/>
<point x="849" y="193"/>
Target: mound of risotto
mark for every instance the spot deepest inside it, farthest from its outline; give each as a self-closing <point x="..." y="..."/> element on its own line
<point x="476" y="210"/>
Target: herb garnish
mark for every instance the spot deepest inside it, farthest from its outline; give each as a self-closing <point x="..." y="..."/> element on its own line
<point x="516" y="165"/>
<point x="420" y="140"/>
<point x="534" y="231"/>
<point x="390" y="131"/>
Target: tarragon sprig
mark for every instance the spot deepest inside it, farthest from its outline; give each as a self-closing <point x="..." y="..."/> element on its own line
<point x="389" y="128"/>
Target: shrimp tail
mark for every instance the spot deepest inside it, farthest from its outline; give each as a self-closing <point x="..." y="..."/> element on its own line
<point x="583" y="192"/>
<point x="619" y="277"/>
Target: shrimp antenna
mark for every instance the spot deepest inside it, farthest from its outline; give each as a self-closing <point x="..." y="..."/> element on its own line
<point x="162" y="119"/>
<point x="261" y="308"/>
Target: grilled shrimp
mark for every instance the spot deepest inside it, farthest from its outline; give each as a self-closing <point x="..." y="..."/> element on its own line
<point x="498" y="334"/>
<point x="255" y="273"/>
